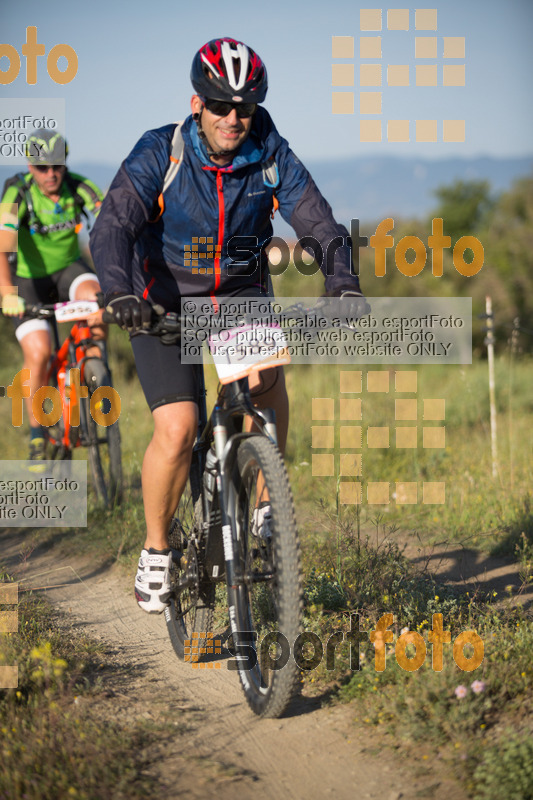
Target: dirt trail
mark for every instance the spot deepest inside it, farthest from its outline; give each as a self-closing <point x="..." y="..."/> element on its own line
<point x="314" y="753"/>
<point x="459" y="566"/>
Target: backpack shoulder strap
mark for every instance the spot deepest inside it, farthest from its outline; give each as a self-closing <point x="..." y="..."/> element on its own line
<point x="24" y="193"/>
<point x="271" y="179"/>
<point x="176" y="155"/>
<point x="270" y="173"/>
<point x="74" y="182"/>
<point x="22" y="186"/>
<point x="177" y="147"/>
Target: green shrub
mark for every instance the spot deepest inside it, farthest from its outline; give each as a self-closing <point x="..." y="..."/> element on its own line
<point x="321" y="589"/>
<point x="506" y="769"/>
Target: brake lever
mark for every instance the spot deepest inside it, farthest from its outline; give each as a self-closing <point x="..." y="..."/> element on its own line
<point x="40" y="312"/>
<point x="167" y="327"/>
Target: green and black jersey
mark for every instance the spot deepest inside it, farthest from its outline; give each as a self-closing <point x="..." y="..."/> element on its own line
<point x="48" y="236"/>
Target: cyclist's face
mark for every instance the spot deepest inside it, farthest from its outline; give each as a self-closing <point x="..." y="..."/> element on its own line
<point x="223" y="133"/>
<point x="49" y="181"/>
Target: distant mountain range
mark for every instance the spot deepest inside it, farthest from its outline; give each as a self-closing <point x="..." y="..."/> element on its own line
<point x="375" y="187"/>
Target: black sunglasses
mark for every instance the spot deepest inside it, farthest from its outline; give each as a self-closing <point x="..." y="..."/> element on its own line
<point x="46" y="167"/>
<point x="222" y="109"/>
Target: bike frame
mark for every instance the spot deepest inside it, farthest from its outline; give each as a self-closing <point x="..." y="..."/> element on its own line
<point x="224" y="428"/>
<point x="71" y="354"/>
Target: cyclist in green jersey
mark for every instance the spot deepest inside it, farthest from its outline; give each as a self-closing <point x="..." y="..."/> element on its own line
<point x="44" y="207"/>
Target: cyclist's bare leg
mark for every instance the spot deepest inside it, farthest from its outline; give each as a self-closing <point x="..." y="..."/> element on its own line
<point x="268" y="391"/>
<point x="87" y="290"/>
<point x="36" y="348"/>
<point x="166" y="467"/>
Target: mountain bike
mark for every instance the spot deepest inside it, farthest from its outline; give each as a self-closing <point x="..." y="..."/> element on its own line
<point x="236" y="524"/>
<point x="82" y="385"/>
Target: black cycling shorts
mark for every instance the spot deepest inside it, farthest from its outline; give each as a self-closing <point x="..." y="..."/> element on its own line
<point x="53" y="288"/>
<point x="164" y="379"/>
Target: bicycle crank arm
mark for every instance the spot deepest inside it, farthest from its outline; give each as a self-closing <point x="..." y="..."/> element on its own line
<point x="261" y="577"/>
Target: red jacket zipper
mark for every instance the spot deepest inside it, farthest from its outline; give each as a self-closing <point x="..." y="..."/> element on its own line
<point x="220" y="235"/>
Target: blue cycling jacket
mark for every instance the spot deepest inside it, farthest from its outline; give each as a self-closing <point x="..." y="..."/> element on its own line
<point x="191" y="248"/>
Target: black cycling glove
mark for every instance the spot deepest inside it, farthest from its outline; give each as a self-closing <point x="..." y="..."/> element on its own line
<point x="354" y="303"/>
<point x="130" y="312"/>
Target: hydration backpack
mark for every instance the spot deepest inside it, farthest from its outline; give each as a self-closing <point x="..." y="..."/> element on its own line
<point x="30" y="218"/>
<point x="269" y="167"/>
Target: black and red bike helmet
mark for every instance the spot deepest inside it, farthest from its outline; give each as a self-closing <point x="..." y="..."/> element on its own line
<point x="228" y="70"/>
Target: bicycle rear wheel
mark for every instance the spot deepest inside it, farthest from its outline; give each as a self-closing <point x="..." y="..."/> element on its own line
<point x="104" y="450"/>
<point x="189" y="617"/>
<point x="105" y="461"/>
<point x="268" y="603"/>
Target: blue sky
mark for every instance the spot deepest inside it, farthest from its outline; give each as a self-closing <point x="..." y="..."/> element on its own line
<point x="134" y="63"/>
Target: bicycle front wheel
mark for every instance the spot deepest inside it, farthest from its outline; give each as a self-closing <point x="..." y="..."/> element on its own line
<point x="268" y="601"/>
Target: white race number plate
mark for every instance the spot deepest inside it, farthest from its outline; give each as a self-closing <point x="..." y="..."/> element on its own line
<point x="241" y="351"/>
<point x="74" y="310"/>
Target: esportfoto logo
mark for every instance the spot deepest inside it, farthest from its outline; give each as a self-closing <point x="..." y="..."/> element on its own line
<point x="274" y="650"/>
<point x="439" y="62"/>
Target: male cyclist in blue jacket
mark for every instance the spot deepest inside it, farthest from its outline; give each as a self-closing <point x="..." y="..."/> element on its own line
<point x="141" y="249"/>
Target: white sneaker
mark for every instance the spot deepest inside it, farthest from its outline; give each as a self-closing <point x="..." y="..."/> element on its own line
<point x="152" y="582"/>
<point x="262" y="522"/>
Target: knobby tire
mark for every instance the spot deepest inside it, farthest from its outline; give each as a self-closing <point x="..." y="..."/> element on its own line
<point x="274" y="605"/>
<point x="192" y="610"/>
<point x="105" y="459"/>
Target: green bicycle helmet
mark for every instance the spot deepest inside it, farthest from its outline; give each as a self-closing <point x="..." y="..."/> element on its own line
<point x="46" y="147"/>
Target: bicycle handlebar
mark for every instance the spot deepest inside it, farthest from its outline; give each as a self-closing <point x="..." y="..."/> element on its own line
<point x="168" y="324"/>
<point x="40" y="311"/>
<point x="71" y="311"/>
